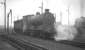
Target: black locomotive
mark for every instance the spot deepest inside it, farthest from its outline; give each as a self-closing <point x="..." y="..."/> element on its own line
<point x="41" y="25"/>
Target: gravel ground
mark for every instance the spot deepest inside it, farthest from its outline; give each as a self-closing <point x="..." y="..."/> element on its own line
<point x="5" y="46"/>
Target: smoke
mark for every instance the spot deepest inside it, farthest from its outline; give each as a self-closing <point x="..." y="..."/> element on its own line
<point x="64" y="32"/>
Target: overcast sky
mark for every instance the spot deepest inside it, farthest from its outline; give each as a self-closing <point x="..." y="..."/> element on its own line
<point x="25" y="7"/>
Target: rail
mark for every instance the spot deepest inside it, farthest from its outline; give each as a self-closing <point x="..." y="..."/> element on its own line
<point x="21" y="45"/>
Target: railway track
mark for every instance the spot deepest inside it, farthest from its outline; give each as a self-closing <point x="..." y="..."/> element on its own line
<point x="66" y="42"/>
<point x="21" y="45"/>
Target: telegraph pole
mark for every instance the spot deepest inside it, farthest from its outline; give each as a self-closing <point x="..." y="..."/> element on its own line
<point x="61" y="17"/>
<point x="4" y="3"/>
<point x="41" y="7"/>
<point x="68" y="16"/>
<point x="5" y="15"/>
<point x="82" y="6"/>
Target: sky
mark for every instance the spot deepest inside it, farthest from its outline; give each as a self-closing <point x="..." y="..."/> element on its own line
<point x="25" y="7"/>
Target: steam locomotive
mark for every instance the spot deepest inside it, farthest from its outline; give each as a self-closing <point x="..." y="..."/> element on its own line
<point x="41" y="25"/>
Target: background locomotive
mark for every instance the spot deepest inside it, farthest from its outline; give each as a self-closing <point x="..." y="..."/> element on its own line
<point x="36" y="25"/>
